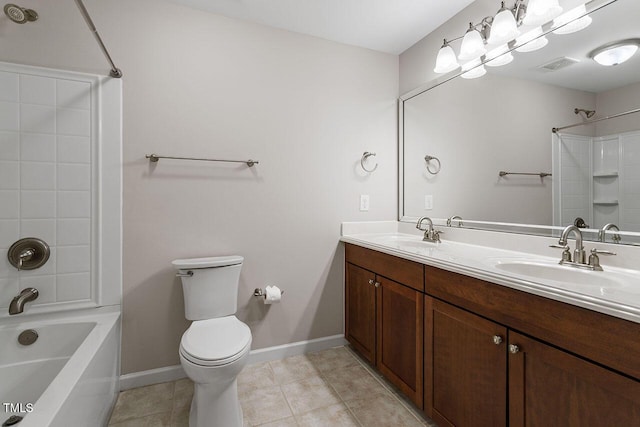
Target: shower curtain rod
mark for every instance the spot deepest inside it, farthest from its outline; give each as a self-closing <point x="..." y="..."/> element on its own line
<point x="556" y="130"/>
<point x="115" y="71"/>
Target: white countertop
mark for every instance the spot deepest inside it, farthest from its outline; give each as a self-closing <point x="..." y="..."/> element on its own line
<point x="614" y="291"/>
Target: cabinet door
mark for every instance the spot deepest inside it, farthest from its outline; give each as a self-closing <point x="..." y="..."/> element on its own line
<point x="550" y="387"/>
<point x="465" y="367"/>
<point x="400" y="334"/>
<point x="360" y="310"/>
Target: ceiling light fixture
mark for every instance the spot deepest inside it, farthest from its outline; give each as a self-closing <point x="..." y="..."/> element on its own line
<point x="615" y="53"/>
<point x="502" y="32"/>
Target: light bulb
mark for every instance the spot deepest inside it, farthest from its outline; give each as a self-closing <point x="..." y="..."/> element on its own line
<point x="446" y="60"/>
<point x="499" y="56"/>
<point x="572" y="20"/>
<point x="472" y="45"/>
<point x="504" y="27"/>
<point x="541" y="11"/>
<point x="532" y="40"/>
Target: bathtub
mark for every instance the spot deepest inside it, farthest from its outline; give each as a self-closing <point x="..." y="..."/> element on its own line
<point x="68" y="376"/>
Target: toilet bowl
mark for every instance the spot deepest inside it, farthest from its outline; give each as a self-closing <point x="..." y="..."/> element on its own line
<point x="215" y="348"/>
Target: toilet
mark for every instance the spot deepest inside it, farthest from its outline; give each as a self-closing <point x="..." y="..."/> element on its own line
<point x="214" y="349"/>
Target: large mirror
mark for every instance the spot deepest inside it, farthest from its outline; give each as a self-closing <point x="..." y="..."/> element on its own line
<point x="492" y="157"/>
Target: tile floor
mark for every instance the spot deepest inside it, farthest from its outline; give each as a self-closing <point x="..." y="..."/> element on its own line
<point x="330" y="388"/>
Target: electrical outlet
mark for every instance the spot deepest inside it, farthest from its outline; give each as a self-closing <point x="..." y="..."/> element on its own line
<point x="364" y="202"/>
<point x="428" y="202"/>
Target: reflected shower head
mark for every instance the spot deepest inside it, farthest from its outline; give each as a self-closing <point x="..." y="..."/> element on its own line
<point x="20" y="15"/>
<point x="587" y="113"/>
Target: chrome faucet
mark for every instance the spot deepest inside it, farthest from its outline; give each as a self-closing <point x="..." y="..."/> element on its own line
<point x="579" y="253"/>
<point x="602" y="234"/>
<point x="17" y="303"/>
<point x="430" y="235"/>
<point x="453" y="218"/>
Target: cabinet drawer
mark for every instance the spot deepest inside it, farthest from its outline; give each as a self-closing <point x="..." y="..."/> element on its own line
<point x="408" y="273"/>
<point x="604" y="339"/>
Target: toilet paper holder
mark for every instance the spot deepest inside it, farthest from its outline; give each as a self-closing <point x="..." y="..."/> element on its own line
<point x="261" y="293"/>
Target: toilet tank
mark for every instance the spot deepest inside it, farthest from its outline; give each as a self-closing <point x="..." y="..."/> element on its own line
<point x="209" y="285"/>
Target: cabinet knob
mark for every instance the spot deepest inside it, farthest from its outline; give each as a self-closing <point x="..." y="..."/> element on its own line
<point x="497" y="339"/>
<point x="513" y="349"/>
<point x="377" y="284"/>
<point x="371" y="281"/>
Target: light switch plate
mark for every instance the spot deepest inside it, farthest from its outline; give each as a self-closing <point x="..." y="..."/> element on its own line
<point x="364" y="202"/>
<point x="428" y="202"/>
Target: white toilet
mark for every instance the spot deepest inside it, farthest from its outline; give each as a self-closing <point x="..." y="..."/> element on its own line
<point x="214" y="349"/>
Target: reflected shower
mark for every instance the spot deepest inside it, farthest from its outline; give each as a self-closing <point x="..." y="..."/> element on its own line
<point x="587" y="113"/>
<point x="20" y="15"/>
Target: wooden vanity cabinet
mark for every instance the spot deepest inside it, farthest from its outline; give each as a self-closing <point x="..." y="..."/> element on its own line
<point x="384" y="316"/>
<point x="548" y="386"/>
<point x="465" y="367"/>
<point x="484" y="368"/>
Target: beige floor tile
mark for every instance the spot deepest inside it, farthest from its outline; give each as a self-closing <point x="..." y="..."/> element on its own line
<point x="287" y="422"/>
<point x="143" y="401"/>
<point x="264" y="405"/>
<point x="332" y="359"/>
<point x="255" y="376"/>
<point x="354" y="382"/>
<point x="382" y="411"/>
<point x="293" y="369"/>
<point x="308" y="394"/>
<point x="155" y="420"/>
<point x="334" y="416"/>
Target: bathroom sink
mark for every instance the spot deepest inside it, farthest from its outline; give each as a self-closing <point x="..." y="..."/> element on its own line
<point x="407" y="241"/>
<point x="562" y="273"/>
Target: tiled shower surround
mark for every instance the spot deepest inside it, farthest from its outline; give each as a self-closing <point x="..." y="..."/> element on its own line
<point x="45" y="183"/>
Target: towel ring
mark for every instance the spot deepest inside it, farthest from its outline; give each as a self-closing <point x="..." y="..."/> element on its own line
<point x="364" y="158"/>
<point x="427" y="159"/>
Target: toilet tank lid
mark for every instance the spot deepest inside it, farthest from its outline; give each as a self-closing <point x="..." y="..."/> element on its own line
<point x="219" y="261"/>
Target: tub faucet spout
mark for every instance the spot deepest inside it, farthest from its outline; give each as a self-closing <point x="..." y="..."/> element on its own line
<point x="17" y="303"/>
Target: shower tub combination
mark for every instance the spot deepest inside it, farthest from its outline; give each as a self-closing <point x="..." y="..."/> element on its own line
<point x="68" y="376"/>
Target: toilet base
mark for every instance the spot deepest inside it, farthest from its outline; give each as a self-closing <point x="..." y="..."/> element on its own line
<point x="212" y="407"/>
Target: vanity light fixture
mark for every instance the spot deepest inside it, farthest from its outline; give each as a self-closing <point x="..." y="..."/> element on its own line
<point x="502" y="30"/>
<point x="541" y="11"/>
<point x="615" y="53"/>
<point x="472" y="44"/>
<point x="531" y="41"/>
<point x="504" y="27"/>
<point x="573" y="21"/>
<point x="473" y="69"/>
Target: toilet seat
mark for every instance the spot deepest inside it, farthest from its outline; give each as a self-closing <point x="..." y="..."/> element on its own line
<point x="215" y="342"/>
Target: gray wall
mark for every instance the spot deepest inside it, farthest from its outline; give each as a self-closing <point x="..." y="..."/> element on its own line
<point x="198" y="84"/>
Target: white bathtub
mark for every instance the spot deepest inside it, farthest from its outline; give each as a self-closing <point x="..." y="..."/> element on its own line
<point x="69" y="375"/>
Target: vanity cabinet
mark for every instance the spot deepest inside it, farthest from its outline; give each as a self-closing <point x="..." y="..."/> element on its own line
<point x="483" y="365"/>
<point x="465" y="367"/>
<point x="384" y="316"/>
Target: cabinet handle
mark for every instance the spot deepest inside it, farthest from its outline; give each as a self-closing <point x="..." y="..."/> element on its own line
<point x="497" y="339"/>
<point x="371" y="281"/>
<point x="377" y="284"/>
<point x="513" y="349"/>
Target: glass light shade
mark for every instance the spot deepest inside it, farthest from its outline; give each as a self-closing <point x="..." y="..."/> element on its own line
<point x="504" y="27"/>
<point x="616" y="54"/>
<point x="446" y="60"/>
<point x="473" y="73"/>
<point x="472" y="45"/>
<point x="499" y="56"/>
<point x="571" y="19"/>
<point x="541" y="11"/>
<point x="531" y="41"/>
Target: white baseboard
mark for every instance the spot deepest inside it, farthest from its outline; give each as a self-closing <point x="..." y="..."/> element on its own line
<point x="173" y="373"/>
<point x="152" y="376"/>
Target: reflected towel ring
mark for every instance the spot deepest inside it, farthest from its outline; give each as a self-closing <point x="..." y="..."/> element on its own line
<point x="364" y="158"/>
<point x="427" y="159"/>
